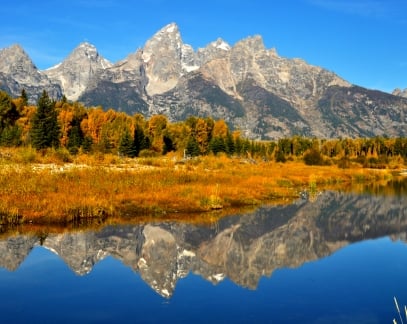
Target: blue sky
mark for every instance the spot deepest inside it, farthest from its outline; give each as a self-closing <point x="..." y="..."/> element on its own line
<point x="363" y="41"/>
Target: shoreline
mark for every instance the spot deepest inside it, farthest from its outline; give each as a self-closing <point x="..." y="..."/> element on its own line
<point x="65" y="193"/>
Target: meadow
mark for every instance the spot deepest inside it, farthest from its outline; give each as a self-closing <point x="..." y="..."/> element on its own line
<point x="43" y="188"/>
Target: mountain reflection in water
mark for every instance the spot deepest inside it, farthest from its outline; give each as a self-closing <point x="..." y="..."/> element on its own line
<point x="243" y="248"/>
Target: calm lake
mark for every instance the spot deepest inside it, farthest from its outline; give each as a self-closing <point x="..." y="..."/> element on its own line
<point x="336" y="258"/>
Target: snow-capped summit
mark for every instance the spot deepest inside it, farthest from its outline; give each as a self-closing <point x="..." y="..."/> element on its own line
<point x="214" y="50"/>
<point x="221" y="44"/>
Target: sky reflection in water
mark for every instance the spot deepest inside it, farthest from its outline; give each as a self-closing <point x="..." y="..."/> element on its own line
<point x="352" y="284"/>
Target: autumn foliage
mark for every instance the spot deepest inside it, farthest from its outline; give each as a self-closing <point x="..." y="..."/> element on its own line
<point x="79" y="129"/>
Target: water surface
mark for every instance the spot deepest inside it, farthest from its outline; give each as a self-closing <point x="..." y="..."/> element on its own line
<point x="337" y="259"/>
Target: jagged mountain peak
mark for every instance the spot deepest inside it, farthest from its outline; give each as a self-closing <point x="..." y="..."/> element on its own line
<point x="86" y="45"/>
<point x="19" y="72"/>
<point x="168" y="35"/>
<point x="88" y="49"/>
<point x="77" y="70"/>
<point x="254" y="43"/>
<point x="85" y="52"/>
<point x="17" y="48"/>
<point x="90" y="52"/>
<point x="171" y="29"/>
<point x="168" y="38"/>
<point x="14" y="50"/>
<point x="14" y="57"/>
<point x="166" y="58"/>
<point x="214" y="50"/>
<point x="249" y="86"/>
<point x="220" y="44"/>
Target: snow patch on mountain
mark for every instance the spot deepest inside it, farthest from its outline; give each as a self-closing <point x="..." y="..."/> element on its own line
<point x="223" y="45"/>
<point x="171" y="28"/>
<point x="53" y="67"/>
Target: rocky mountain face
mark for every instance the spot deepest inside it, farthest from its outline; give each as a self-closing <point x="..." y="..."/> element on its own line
<point x="18" y="72"/>
<point x="255" y="90"/>
<point x="243" y="248"/>
<point x="76" y="72"/>
<point x="15" y="249"/>
<point x="399" y="92"/>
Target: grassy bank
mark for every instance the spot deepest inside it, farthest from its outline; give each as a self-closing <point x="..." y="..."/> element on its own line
<point x="45" y="189"/>
<point x="49" y="191"/>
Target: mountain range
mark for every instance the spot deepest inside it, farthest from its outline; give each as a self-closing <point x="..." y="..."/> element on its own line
<point x="252" y="88"/>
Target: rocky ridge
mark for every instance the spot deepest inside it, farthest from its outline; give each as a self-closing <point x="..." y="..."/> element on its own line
<point x="399" y="92"/>
<point x="254" y="89"/>
<point x="17" y="72"/>
<point x="76" y="72"/>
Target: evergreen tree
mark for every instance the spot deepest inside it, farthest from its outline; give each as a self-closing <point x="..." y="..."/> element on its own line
<point x="126" y="145"/>
<point x="10" y="133"/>
<point x="230" y="144"/>
<point x="239" y="146"/>
<point x="87" y="144"/>
<point x="245" y="147"/>
<point x="10" y="136"/>
<point x="192" y="148"/>
<point x="8" y="111"/>
<point x="141" y="141"/>
<point x="104" y="146"/>
<point x="24" y="98"/>
<point x="217" y="145"/>
<point x="75" y="139"/>
<point x="146" y="144"/>
<point x="398" y="147"/>
<point x="45" y="131"/>
<point x="168" y="144"/>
